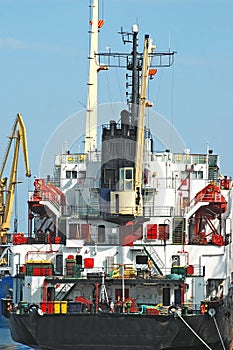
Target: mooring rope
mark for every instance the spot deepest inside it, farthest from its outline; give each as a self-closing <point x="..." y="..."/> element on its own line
<point x="216" y="325"/>
<point x="177" y="314"/>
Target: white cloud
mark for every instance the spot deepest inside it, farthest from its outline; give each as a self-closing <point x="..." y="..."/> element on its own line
<point x="11" y="43"/>
<point x="15" y="44"/>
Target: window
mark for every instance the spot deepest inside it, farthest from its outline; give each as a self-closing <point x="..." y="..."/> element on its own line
<point x="184" y="174"/>
<point x="109" y="177"/>
<point x="74" y="174"/>
<point x="82" y="174"/>
<point x="71" y="174"/>
<point x="141" y="259"/>
<point x="121" y="180"/>
<point x="128" y="174"/>
<point x="126" y="179"/>
<point x="68" y="174"/>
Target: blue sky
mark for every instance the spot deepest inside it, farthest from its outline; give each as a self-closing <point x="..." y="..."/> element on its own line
<point x="44" y="67"/>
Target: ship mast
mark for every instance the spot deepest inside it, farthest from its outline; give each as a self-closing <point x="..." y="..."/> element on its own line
<point x="91" y="115"/>
<point x="135" y="77"/>
<point x="126" y="198"/>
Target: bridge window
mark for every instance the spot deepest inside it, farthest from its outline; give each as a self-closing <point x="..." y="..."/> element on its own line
<point x="71" y="174"/>
<point x="74" y="174"/>
<point x="126" y="179"/>
<point x="68" y="174"/>
<point x="197" y="175"/>
<point x="109" y="177"/>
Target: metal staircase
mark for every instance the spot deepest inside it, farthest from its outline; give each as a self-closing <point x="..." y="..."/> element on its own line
<point x="153" y="255"/>
<point x="64" y="291"/>
<point x="178" y="231"/>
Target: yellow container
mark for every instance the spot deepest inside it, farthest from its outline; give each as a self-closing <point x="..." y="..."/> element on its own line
<point x="57" y="307"/>
<point x="63" y="307"/>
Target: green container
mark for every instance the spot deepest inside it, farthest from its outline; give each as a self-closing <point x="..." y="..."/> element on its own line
<point x="29" y="269"/>
<point x="185" y="311"/>
<point x="179" y="270"/>
<point x="77" y="270"/>
<point x="23" y="307"/>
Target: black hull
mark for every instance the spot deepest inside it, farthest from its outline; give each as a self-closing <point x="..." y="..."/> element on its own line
<point x="115" y="331"/>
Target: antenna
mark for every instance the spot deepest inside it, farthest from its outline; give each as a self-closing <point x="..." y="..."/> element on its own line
<point x="133" y="63"/>
<point x="169" y="40"/>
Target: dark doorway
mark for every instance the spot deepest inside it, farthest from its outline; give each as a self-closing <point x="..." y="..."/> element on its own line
<point x="166" y="296"/>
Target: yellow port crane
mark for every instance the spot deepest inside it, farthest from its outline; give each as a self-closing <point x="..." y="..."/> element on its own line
<point x="7" y="188"/>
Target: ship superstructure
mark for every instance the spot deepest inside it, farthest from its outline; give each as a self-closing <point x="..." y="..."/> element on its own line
<point x="125" y="240"/>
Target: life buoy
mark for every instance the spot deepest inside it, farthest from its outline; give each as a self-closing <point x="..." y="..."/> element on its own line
<point x="40" y="312"/>
<point x="33" y="307"/>
<point x="172" y="309"/>
<point x="104" y="307"/>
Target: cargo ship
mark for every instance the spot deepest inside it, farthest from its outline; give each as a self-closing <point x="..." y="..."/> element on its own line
<point x="127" y="247"/>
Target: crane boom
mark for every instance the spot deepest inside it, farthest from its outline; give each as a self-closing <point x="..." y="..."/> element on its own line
<point x="7" y="194"/>
<point x="148" y="48"/>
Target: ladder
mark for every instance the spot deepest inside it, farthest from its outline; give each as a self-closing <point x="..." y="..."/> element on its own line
<point x="178" y="230"/>
<point x="153" y="255"/>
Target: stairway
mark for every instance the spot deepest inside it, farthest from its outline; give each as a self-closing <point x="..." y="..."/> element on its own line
<point x="64" y="291"/>
<point x="157" y="262"/>
<point x="178" y="230"/>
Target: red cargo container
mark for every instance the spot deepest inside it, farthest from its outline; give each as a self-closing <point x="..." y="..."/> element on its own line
<point x="22" y="269"/>
<point x="50" y="307"/>
<point x="43" y="306"/>
<point x="36" y="271"/>
<point x="190" y="270"/>
<point x="89" y="263"/>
